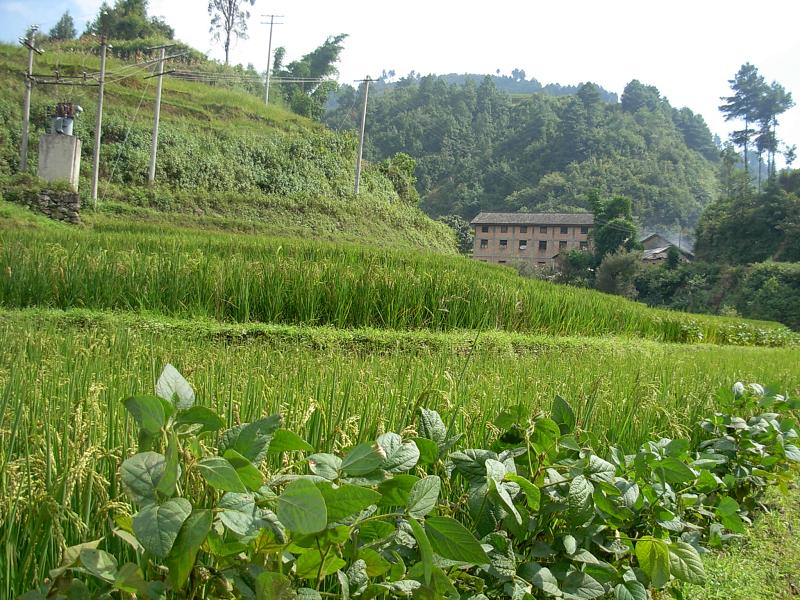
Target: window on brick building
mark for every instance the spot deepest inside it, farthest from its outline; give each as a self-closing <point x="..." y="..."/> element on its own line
<point x="585" y="229"/>
<point x="503" y="244"/>
<point x="543" y="229"/>
<point x="564" y="229"/>
<point x="503" y="228"/>
<point x="562" y="244"/>
<point x="584" y="245"/>
<point x="523" y="244"/>
<point x="523" y="229"/>
<point x="484" y="243"/>
<point x="542" y="245"/>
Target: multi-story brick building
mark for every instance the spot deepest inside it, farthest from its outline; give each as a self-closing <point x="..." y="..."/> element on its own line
<point x="532" y="237"/>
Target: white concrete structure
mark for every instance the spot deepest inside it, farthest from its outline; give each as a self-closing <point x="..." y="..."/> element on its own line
<point x="60" y="159"/>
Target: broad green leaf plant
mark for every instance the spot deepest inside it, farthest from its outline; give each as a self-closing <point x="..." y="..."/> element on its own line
<point x="539" y="515"/>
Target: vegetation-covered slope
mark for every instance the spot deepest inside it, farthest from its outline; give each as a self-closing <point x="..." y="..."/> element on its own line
<point x="480" y="149"/>
<point x="224" y="159"/>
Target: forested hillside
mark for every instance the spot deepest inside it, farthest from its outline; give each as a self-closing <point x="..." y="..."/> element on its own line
<point x="480" y="148"/>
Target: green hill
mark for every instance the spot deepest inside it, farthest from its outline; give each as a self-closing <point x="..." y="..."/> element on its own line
<point x="225" y="160"/>
<point x="481" y="149"/>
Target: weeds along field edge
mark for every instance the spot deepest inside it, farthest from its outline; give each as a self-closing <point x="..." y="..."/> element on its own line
<point x="64" y="430"/>
<point x="249" y="279"/>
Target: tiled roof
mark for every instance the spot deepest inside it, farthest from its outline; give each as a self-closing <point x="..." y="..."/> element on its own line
<point x="653" y="253"/>
<point x="487" y="218"/>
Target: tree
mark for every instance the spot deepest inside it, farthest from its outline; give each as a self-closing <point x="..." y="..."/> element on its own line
<point x="617" y="274"/>
<point x="790" y="155"/>
<point x="637" y="96"/>
<point x="316" y="68"/>
<point x="128" y="20"/>
<point x="614" y="229"/>
<point x="64" y="29"/>
<point x="399" y="169"/>
<point x="748" y="87"/>
<point x="774" y="101"/>
<point x="228" y="19"/>
<point x="462" y="230"/>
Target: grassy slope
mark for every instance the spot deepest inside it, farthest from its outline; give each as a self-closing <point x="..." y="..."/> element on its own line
<point x="315" y="201"/>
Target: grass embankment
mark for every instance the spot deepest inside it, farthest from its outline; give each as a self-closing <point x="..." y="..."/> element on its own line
<point x="225" y="160"/>
<point x="245" y="279"/>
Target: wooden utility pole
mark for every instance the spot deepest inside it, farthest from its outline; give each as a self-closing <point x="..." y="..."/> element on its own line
<point x="98" y="123"/>
<point x="151" y="174"/>
<point x="26" y="103"/>
<point x="361" y="138"/>
<point x="271" y="24"/>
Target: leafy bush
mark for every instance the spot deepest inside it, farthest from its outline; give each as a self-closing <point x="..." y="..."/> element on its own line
<point x="399" y="169"/>
<point x="771" y="291"/>
<point x="538" y="513"/>
<point x="464" y="236"/>
<point x="617" y="273"/>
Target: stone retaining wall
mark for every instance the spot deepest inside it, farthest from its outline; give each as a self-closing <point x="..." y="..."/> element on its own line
<point x="61" y="206"/>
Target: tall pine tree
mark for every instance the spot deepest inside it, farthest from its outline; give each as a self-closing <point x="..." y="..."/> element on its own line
<point x="748" y="87"/>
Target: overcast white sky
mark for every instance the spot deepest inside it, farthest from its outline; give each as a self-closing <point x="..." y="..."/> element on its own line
<point x="688" y="49"/>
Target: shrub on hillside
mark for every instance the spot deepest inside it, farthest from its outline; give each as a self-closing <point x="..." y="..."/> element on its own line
<point x="771" y="291"/>
<point x="617" y="274"/>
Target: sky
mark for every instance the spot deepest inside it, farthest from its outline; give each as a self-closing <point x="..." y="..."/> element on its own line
<point x="688" y="49"/>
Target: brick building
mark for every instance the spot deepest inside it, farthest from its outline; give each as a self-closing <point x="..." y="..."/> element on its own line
<point x="533" y="237"/>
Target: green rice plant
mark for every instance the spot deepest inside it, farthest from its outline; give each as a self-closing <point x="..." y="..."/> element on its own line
<point x="64" y="433"/>
<point x="540" y="512"/>
<point x="243" y="279"/>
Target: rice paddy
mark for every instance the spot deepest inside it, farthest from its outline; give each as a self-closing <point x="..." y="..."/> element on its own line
<point x="344" y="341"/>
<point x="249" y="279"/>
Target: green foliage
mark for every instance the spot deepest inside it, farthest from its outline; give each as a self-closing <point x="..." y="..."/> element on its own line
<point x="399" y="169"/>
<point x="243" y="279"/>
<point x="763" y="290"/>
<point x="771" y="290"/>
<point x="465" y="237"/>
<point x="479" y="149"/>
<point x="594" y="526"/>
<point x="756" y="103"/>
<point x="749" y="227"/>
<point x="614" y="229"/>
<point x="617" y="273"/>
<point x="576" y="267"/>
<point x="64" y="29"/>
<point x="673" y="257"/>
<point x="128" y="20"/>
<point x="225" y="160"/>
<point x="308" y="97"/>
<point x="242" y="371"/>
